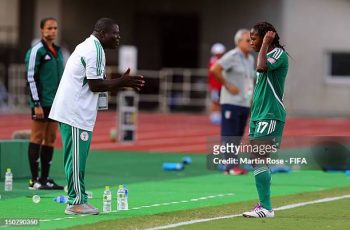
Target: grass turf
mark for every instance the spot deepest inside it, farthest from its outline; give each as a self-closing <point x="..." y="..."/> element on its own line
<point x="195" y="187"/>
<point x="330" y="215"/>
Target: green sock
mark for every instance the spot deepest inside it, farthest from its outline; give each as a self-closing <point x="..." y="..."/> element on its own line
<point x="263" y="182"/>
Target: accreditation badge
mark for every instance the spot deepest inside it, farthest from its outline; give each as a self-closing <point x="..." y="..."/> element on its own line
<point x="102" y="103"/>
<point x="248" y="89"/>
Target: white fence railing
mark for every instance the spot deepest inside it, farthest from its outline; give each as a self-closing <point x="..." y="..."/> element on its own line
<point x="166" y="90"/>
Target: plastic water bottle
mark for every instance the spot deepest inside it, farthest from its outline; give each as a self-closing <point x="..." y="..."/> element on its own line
<point x="168" y="166"/>
<point x="89" y="194"/>
<point x="126" y="197"/>
<point x="62" y="199"/>
<point x="122" y="201"/>
<point x="8" y="180"/>
<point x="186" y="160"/>
<point x="347" y="172"/>
<point x="107" y="200"/>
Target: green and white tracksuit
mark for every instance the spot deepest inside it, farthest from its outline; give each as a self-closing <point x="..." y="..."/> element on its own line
<point x="75" y="107"/>
<point x="76" y="145"/>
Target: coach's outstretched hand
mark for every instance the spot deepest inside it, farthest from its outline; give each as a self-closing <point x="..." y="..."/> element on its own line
<point x="134" y="81"/>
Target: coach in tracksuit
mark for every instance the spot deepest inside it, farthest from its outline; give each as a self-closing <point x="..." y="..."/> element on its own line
<point x="44" y="68"/>
<point x="235" y="71"/>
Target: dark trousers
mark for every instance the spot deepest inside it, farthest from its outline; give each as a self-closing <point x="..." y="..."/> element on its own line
<point x="233" y="121"/>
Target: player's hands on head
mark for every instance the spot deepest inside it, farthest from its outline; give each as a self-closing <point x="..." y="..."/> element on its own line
<point x="134" y="81"/>
<point x="269" y="37"/>
<point x="39" y="113"/>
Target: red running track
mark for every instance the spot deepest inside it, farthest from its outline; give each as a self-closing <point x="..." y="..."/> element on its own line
<point x="178" y="133"/>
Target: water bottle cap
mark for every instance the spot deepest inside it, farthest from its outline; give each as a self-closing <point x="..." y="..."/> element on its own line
<point x="8" y="170"/>
<point x="107" y="188"/>
<point x="124" y="185"/>
<point x="120" y="186"/>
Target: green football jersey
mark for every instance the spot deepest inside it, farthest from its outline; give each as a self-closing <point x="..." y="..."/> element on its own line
<point x="269" y="88"/>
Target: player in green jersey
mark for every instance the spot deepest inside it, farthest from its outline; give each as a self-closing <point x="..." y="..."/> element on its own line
<point x="267" y="112"/>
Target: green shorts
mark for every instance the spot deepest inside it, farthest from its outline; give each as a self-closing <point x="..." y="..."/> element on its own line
<point x="266" y="130"/>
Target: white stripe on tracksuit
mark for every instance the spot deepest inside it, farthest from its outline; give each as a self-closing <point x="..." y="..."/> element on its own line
<point x="31" y="71"/>
<point x="277" y="54"/>
<point x="272" y="126"/>
<point x="274" y="92"/>
<point x="269" y="131"/>
<point x="75" y="166"/>
<point x="258" y="171"/>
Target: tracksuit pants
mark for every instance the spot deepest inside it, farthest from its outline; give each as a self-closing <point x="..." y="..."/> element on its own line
<point x="76" y="146"/>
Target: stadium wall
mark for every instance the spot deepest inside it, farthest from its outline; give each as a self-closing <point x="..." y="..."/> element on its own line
<point x="309" y="29"/>
<point x="218" y="20"/>
<point x="312" y="29"/>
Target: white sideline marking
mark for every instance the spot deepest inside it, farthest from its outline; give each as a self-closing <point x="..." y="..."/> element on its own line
<point x="149" y="206"/>
<point x="289" y="206"/>
<point x="328" y="199"/>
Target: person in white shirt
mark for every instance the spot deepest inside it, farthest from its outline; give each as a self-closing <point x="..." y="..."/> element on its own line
<point x="82" y="91"/>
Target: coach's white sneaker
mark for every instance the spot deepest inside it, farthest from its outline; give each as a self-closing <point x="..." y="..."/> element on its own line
<point x="81" y="209"/>
<point x="259" y="212"/>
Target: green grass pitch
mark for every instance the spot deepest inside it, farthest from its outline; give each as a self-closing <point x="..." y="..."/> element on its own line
<point x="159" y="198"/>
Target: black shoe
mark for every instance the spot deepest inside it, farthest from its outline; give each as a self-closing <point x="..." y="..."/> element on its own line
<point x="50" y="184"/>
<point x="34" y="185"/>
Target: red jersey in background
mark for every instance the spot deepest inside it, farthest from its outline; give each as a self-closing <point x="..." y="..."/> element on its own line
<point x="212" y="82"/>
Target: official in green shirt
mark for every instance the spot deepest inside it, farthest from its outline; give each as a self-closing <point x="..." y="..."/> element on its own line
<point x="44" y="69"/>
